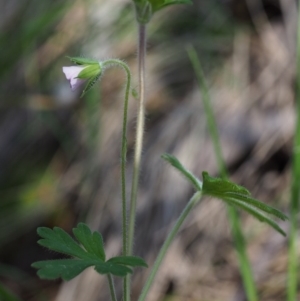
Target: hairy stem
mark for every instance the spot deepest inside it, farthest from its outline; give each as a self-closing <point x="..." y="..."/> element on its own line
<point x="237" y="234"/>
<point x="112" y="287"/>
<point x="106" y="64"/>
<point x="293" y="265"/>
<point x="138" y="143"/>
<point x="191" y="204"/>
<point x="139" y="133"/>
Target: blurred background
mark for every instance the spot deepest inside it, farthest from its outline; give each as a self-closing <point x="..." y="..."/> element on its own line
<point x="60" y="155"/>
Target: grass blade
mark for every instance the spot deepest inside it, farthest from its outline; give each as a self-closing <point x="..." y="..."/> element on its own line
<point x="293" y="265"/>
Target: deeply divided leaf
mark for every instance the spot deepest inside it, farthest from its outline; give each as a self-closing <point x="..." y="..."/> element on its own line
<point x="217" y="186"/>
<point x="66" y="269"/>
<point x="240" y="197"/>
<point x="90" y="252"/>
<point x="92" y="242"/>
<point x="60" y="241"/>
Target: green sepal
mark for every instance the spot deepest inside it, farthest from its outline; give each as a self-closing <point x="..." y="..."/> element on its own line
<point x="90" y="71"/>
<point x="82" y="61"/>
<point x="92" y="81"/>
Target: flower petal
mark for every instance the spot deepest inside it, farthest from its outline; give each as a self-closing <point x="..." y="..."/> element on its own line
<point x="71" y="74"/>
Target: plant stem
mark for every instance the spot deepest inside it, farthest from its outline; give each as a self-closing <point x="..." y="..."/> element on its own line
<point x="293" y="265"/>
<point x="139" y="133"/>
<point x="239" y="240"/>
<point x="138" y="145"/>
<point x="111" y="287"/>
<point x="191" y="204"/>
<point x="106" y="64"/>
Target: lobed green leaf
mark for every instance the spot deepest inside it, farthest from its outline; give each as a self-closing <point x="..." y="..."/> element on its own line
<point x="217" y="186"/>
<point x="231" y="193"/>
<point x="90" y="253"/>
<point x="60" y="241"/>
<point x="239" y="196"/>
<point x="92" y="242"/>
<point x="66" y="269"/>
<point x="114" y="269"/>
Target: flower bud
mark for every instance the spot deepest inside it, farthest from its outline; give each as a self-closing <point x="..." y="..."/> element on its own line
<point x="86" y="70"/>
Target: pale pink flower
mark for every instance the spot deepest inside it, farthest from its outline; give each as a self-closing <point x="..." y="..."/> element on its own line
<point x="72" y="73"/>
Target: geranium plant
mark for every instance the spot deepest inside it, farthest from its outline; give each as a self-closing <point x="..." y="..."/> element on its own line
<point x="88" y="248"/>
